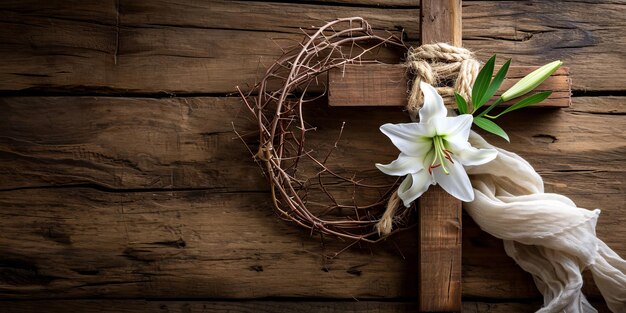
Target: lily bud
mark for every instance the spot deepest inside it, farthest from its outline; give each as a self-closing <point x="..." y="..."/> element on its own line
<point x="531" y="81"/>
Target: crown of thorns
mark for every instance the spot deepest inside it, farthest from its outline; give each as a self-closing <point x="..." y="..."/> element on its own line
<point x="295" y="171"/>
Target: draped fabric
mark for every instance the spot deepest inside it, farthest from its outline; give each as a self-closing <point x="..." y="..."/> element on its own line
<point x="545" y="233"/>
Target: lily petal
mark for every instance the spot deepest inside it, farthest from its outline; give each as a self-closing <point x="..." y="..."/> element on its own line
<point x="414" y="186"/>
<point x="456" y="183"/>
<point x="472" y="156"/>
<point x="468" y="155"/>
<point x="454" y="127"/>
<point x="433" y="104"/>
<point x="401" y="166"/>
<point x="412" y="139"/>
<point x="405" y="185"/>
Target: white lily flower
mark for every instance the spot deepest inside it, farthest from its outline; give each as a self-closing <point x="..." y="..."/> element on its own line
<point x="434" y="151"/>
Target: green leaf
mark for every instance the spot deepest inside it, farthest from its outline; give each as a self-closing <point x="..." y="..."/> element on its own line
<point x="490" y="127"/>
<point x="534" y="99"/>
<point x="495" y="84"/>
<point x="482" y="82"/>
<point x="460" y="103"/>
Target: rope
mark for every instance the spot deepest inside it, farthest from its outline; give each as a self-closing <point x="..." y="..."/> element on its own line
<point x="435" y="64"/>
<point x="385" y="225"/>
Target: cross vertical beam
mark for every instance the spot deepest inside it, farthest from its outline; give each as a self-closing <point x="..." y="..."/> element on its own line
<point x="439" y="213"/>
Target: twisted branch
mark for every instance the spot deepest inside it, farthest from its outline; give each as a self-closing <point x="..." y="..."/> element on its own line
<point x="282" y="146"/>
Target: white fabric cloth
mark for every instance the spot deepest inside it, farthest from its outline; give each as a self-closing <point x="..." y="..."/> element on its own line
<point x="545" y="233"/>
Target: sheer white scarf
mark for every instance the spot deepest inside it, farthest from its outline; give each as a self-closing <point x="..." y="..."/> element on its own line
<point x="545" y="233"/>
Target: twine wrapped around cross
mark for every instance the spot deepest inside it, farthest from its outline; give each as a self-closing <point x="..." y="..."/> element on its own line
<point x="436" y="64"/>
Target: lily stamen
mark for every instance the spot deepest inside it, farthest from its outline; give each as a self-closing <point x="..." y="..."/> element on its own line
<point x="430" y="168"/>
<point x="440" y="153"/>
<point x="448" y="155"/>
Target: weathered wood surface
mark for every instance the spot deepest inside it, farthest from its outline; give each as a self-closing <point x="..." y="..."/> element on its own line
<point x="439" y="213"/>
<point x="439" y="246"/>
<point x="386" y="85"/>
<point x="441" y="21"/>
<point x="122" y="238"/>
<point x="210" y="47"/>
<point x="127" y="197"/>
<point x="85" y="140"/>
<point x="125" y="143"/>
<point x="131" y="306"/>
<point x="172" y="244"/>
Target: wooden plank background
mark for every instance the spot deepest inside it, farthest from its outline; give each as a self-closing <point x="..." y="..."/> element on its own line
<point x="122" y="179"/>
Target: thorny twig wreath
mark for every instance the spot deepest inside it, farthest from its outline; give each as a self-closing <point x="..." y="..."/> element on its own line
<point x="282" y="127"/>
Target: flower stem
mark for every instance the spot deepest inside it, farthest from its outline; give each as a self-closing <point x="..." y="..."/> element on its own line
<point x="491" y="107"/>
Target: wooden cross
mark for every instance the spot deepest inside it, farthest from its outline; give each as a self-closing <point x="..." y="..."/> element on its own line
<point x="439" y="213"/>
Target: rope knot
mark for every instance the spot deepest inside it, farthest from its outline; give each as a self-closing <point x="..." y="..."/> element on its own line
<point x="440" y="64"/>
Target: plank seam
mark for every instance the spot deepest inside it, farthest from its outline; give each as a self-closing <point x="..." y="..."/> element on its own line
<point x="102" y="188"/>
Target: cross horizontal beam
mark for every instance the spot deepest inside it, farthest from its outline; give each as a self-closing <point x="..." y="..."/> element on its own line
<point x="386" y="85"/>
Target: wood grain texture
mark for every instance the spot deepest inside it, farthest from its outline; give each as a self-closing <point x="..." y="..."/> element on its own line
<point x="537" y="32"/>
<point x="439" y="213"/>
<point x="165" y="244"/>
<point x="386" y="85"/>
<point x="48" y="142"/>
<point x="199" y="47"/>
<point x="439" y="287"/>
<point x="131" y="306"/>
<point x="126" y="143"/>
<point x="368" y="85"/>
<point x="217" y="245"/>
<point x="440" y="21"/>
<point x="184" y="142"/>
